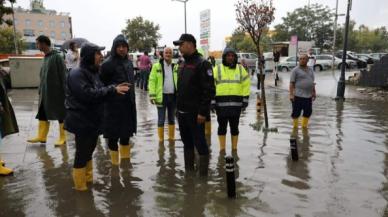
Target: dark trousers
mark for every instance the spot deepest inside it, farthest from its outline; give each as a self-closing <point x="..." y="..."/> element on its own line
<point x="192" y="133"/>
<point x="223" y="124"/>
<point x="144" y="74"/>
<point x="112" y="143"/>
<point x="84" y="148"/>
<point x="302" y="104"/>
<point x="42" y="114"/>
<point x="169" y="104"/>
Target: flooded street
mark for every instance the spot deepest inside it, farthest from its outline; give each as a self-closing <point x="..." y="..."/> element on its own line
<point x="342" y="168"/>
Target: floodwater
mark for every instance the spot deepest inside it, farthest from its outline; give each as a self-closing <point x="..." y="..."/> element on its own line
<point x="342" y="168"/>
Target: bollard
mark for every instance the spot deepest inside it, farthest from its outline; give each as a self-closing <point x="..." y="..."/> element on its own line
<point x="294" y="149"/>
<point x="230" y="178"/>
<point x="258" y="104"/>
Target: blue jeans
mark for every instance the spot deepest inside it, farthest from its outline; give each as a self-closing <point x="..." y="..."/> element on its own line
<point x="144" y="74"/>
<point x="169" y="104"/>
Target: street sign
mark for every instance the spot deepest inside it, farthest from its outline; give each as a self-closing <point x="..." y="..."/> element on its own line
<point x="204" y="28"/>
<point x="294" y="40"/>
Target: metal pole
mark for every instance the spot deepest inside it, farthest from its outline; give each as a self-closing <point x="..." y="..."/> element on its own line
<point x="14" y="31"/>
<point x="335" y="35"/>
<point x="341" y="82"/>
<point x="185" y="17"/>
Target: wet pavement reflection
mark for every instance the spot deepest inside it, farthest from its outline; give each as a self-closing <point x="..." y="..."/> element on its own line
<point x="342" y="168"/>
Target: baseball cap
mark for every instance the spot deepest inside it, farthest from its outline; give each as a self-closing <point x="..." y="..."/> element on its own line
<point x="90" y="47"/>
<point x="185" y="37"/>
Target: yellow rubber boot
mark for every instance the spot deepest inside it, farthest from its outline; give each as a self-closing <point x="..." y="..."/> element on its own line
<point x="222" y="140"/>
<point x="62" y="136"/>
<point x="125" y="151"/>
<point x="208" y="128"/>
<point x="305" y="122"/>
<point x="171" y="132"/>
<point x="161" y="134"/>
<point x="295" y="122"/>
<point x="79" y="178"/>
<point x="114" y="157"/>
<point x="43" y="129"/>
<point x="234" y="143"/>
<point x="89" y="171"/>
<point x="4" y="171"/>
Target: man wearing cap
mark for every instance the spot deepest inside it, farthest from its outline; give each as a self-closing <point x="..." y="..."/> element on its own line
<point x="194" y="93"/>
<point x="85" y="97"/>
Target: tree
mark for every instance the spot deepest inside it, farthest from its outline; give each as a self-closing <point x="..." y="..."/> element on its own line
<point x="364" y="39"/>
<point x="242" y="42"/>
<point x="310" y="23"/>
<point x="254" y="16"/>
<point x="5" y="10"/>
<point x="142" y="34"/>
<point x="7" y="41"/>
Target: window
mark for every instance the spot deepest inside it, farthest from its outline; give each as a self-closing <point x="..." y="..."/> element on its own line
<point x="253" y="56"/>
<point x="41" y="33"/>
<point x="62" y="24"/>
<point x="28" y="23"/>
<point x="16" y="22"/>
<point x="28" y="32"/>
<point x="52" y="24"/>
<point x="40" y="23"/>
<point x="52" y="34"/>
<point x="63" y="35"/>
<point x="245" y="56"/>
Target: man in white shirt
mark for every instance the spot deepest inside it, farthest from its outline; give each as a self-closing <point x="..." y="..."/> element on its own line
<point x="72" y="57"/>
<point x="312" y="60"/>
<point x="162" y="88"/>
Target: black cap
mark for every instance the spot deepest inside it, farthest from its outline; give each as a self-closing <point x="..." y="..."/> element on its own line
<point x="185" y="37"/>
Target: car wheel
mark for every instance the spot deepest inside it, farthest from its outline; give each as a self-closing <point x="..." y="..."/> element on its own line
<point x="284" y="69"/>
<point x="317" y="68"/>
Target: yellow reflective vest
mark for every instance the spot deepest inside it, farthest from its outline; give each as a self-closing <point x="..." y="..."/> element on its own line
<point x="232" y="86"/>
<point x="156" y="82"/>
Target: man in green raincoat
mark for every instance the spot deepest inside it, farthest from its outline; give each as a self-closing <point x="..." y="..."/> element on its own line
<point x="51" y="92"/>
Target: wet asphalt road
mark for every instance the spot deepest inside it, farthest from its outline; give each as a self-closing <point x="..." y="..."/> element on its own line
<point x="342" y="168"/>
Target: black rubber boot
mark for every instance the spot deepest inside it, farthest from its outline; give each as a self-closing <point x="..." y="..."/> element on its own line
<point x="203" y="165"/>
<point x="189" y="159"/>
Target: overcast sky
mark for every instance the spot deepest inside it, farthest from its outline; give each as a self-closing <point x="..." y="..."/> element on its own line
<point x="100" y="21"/>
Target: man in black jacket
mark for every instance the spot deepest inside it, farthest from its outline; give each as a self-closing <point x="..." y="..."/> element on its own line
<point x="194" y="94"/>
<point x="120" y="111"/>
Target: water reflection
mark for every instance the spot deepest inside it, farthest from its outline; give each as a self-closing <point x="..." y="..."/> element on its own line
<point x="299" y="169"/>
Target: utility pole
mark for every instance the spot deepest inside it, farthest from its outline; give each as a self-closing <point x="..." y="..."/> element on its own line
<point x="341" y="82"/>
<point x="335" y="35"/>
<point x="14" y="30"/>
<point x="184" y="2"/>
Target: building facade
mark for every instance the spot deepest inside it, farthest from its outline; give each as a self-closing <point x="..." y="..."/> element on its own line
<point x="40" y="21"/>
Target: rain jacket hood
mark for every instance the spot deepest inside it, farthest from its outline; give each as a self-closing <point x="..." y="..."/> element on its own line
<point x="88" y="50"/>
<point x="120" y="39"/>
<point x="226" y="51"/>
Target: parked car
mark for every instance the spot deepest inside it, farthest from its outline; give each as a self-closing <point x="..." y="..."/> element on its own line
<point x="328" y="59"/>
<point x="366" y="57"/>
<point x="360" y="63"/>
<point x="249" y="58"/>
<point x="289" y="63"/>
<point x="377" y="55"/>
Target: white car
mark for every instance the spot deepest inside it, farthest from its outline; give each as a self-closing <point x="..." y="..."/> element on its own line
<point x="327" y="59"/>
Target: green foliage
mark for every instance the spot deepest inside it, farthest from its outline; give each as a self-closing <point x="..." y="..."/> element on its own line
<point x="142" y="34"/>
<point x="5" y="10"/>
<point x="363" y="39"/>
<point x="308" y="23"/>
<point x="7" y="41"/>
<point x="242" y="42"/>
